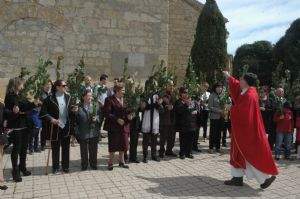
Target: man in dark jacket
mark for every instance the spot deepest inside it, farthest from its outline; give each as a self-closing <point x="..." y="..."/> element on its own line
<point x="167" y="123"/>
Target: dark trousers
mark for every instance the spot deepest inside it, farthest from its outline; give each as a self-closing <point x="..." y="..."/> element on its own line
<point x="226" y="126"/>
<point x="34" y="139"/>
<point x="64" y="143"/>
<point x="88" y="152"/>
<point x="196" y="139"/>
<point x="149" y="139"/>
<point x="43" y="134"/>
<point x="101" y="119"/>
<point x="215" y="133"/>
<point x="19" y="138"/>
<point x="185" y="142"/>
<point x="272" y="136"/>
<point x="134" y="139"/>
<point x="204" y="120"/>
<point x="167" y="134"/>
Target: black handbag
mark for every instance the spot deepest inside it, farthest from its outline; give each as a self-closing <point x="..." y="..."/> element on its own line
<point x="3" y="138"/>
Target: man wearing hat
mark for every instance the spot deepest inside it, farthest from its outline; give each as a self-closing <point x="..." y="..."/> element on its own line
<point x="250" y="152"/>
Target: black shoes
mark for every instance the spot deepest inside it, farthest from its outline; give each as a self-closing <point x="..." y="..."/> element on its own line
<point x="182" y="157"/>
<point x="161" y="155"/>
<point x="54" y="171"/>
<point x="145" y="160"/>
<point x="110" y="167"/>
<point x="134" y="161"/>
<point x="235" y="182"/>
<point x="268" y="182"/>
<point x="190" y="156"/>
<point x="3" y="187"/>
<point x="171" y="154"/>
<point x="154" y="158"/>
<point x="25" y="172"/>
<point x="94" y="167"/>
<point x="66" y="170"/>
<point x="123" y="165"/>
<point x="16" y="175"/>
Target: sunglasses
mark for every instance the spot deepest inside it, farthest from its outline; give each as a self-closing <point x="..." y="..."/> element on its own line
<point x="64" y="85"/>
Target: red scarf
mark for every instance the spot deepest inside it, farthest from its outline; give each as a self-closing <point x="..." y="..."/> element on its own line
<point x="186" y="100"/>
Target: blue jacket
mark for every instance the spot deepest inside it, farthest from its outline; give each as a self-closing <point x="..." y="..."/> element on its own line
<point x="37" y="123"/>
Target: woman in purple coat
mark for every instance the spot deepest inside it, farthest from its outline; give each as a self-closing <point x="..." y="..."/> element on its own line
<point x="117" y="125"/>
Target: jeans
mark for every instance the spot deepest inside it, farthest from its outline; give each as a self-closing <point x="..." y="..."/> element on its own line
<point x="34" y="139"/>
<point x="287" y="137"/>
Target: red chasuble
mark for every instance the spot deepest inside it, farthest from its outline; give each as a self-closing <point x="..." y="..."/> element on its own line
<point x="248" y="141"/>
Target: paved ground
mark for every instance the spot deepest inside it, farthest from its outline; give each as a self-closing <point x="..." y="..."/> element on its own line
<point x="201" y="177"/>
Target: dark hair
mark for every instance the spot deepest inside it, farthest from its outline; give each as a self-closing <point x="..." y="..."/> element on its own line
<point x="288" y="105"/>
<point x="182" y="90"/>
<point x="216" y="86"/>
<point x="103" y="77"/>
<point x="250" y="78"/>
<point x="84" y="94"/>
<point x="56" y="83"/>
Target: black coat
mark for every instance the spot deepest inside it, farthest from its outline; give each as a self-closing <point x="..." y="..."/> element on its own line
<point x="50" y="110"/>
<point x="185" y="121"/>
<point x="21" y="119"/>
<point x="1" y="116"/>
<point x="83" y="123"/>
<point x="268" y="114"/>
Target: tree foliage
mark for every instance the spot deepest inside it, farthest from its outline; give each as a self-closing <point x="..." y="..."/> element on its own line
<point x="259" y="59"/>
<point x="209" y="51"/>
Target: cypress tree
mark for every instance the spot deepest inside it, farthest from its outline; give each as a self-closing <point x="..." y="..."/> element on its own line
<point x="209" y="51"/>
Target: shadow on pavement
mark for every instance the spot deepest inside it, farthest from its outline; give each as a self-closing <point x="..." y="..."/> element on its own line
<point x="193" y="186"/>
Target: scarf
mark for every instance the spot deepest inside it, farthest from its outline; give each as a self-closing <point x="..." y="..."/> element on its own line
<point x="186" y="100"/>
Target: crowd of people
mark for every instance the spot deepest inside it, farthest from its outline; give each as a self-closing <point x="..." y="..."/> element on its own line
<point x="29" y="123"/>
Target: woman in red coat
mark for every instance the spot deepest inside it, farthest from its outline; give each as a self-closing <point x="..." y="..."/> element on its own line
<point x="250" y="152"/>
<point x="117" y="125"/>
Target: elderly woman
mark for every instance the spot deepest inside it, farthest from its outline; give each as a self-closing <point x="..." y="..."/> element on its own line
<point x="186" y="122"/>
<point x="117" y="125"/>
<point x="87" y="131"/>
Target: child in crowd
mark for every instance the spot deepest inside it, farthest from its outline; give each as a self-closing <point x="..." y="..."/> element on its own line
<point x="284" y="131"/>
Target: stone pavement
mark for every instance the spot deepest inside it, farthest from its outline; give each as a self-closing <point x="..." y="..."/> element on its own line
<point x="201" y="177"/>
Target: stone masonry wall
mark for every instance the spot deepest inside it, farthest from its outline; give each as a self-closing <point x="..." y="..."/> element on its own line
<point x="183" y="19"/>
<point x="101" y="30"/>
<point x="105" y="32"/>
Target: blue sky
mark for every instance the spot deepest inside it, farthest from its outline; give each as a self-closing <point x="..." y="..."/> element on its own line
<point x="254" y="20"/>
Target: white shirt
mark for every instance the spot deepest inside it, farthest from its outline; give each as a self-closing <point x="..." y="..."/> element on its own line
<point x="63" y="112"/>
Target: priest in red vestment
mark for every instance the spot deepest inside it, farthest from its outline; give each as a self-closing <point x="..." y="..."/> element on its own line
<point x="250" y="153"/>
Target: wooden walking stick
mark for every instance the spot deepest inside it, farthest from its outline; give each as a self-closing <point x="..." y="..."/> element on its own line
<point x="50" y="147"/>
